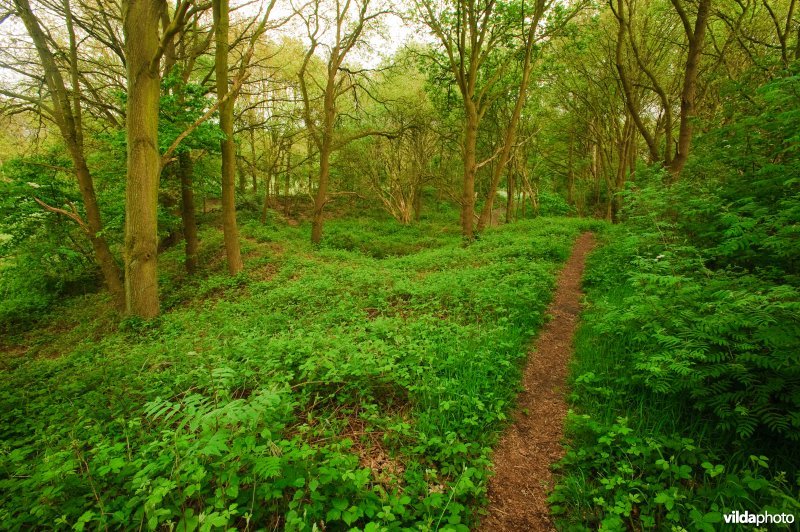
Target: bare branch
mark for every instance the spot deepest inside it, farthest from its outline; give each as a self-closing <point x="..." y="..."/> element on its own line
<point x="72" y="215"/>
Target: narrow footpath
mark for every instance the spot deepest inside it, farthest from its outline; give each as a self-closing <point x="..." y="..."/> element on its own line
<point x="532" y="443"/>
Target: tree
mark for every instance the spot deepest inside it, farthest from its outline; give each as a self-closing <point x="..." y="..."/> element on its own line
<point x="468" y="30"/>
<point x="181" y="59"/>
<point x="530" y="38"/>
<point x="269" y="115"/>
<point x="478" y="38"/>
<point x="695" y="35"/>
<point x="143" y="51"/>
<point x="226" y="98"/>
<point x="230" y="229"/>
<point x="586" y="140"/>
<point x="350" y="20"/>
<point x="631" y="99"/>
<point x="66" y="112"/>
<point x="395" y="169"/>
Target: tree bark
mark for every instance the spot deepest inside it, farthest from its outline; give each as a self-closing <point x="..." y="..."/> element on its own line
<point x="696" y="38"/>
<point x="470" y="168"/>
<point x="141" y="18"/>
<point x="229" y="226"/>
<point x="510" y="196"/>
<point x="185" y="171"/>
<point x="321" y="196"/>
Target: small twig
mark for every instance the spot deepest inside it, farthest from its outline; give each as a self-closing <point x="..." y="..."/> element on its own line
<point x="52" y="167"/>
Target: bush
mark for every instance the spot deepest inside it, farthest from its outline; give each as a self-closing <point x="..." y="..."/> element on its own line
<point x="551" y="204"/>
<point x="687" y="380"/>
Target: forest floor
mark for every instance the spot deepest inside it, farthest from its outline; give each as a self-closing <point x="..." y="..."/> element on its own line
<point x="362" y="382"/>
<point x="522" y="477"/>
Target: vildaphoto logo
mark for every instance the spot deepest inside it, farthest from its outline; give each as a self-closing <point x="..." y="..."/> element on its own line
<point x="763" y="518"/>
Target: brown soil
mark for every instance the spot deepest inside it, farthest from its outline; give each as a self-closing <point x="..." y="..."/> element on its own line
<point x="522" y="478"/>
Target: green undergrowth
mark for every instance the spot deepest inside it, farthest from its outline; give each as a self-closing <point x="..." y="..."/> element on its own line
<point x="355" y="385"/>
<point x="685" y="390"/>
<point x="686" y="383"/>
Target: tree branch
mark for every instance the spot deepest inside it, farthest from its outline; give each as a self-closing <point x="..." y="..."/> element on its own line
<point x="166" y="158"/>
<point x="74" y="216"/>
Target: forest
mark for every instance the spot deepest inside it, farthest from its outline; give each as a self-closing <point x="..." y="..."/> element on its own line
<point x="454" y="265"/>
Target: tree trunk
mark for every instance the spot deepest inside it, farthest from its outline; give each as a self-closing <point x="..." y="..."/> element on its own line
<point x="112" y="274"/>
<point x="797" y="45"/>
<point x="185" y="171"/>
<point x="470" y="167"/>
<point x="253" y="175"/>
<point x="287" y="183"/>
<point x="309" y="156"/>
<point x="627" y="86"/>
<point x="696" y="39"/>
<point x="417" y="202"/>
<point x="277" y="183"/>
<point x="625" y="149"/>
<point x="510" y="196"/>
<point x="662" y="95"/>
<point x="70" y="125"/>
<point x="325" y="150"/>
<point x="322" y="191"/>
<point x="511" y="131"/>
<point x="229" y="227"/>
<point x="141" y="18"/>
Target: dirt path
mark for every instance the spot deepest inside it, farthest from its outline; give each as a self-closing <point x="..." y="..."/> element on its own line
<point x="518" y="490"/>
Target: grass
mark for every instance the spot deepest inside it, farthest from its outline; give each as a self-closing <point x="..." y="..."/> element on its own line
<point x="361" y="383"/>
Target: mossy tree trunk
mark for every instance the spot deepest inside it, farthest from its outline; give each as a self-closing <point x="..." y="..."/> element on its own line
<point x="140" y="23"/>
<point x="186" y="171"/>
<point x="325" y="151"/>
<point x="229" y="226"/>
<point x="470" y="169"/>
